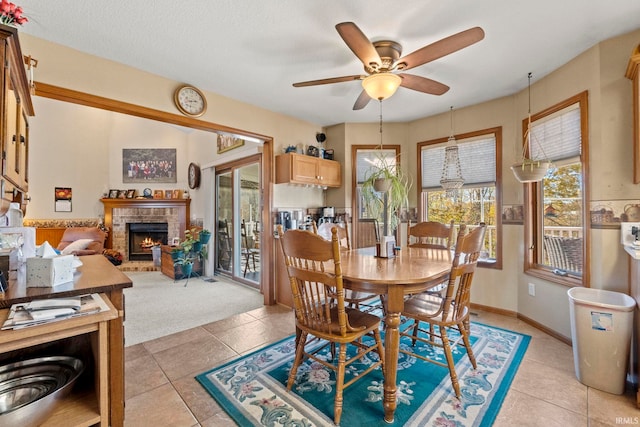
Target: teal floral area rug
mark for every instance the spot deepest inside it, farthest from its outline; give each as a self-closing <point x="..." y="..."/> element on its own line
<point x="252" y="389"/>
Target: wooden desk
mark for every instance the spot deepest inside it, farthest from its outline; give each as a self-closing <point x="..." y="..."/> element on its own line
<point x="413" y="271"/>
<point x="96" y="275"/>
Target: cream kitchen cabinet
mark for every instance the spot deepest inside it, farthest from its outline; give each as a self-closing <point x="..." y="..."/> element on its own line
<point x="295" y="168"/>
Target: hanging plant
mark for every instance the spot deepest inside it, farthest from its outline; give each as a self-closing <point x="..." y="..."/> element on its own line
<point x="386" y="178"/>
<point x="390" y="180"/>
<point x="531" y="170"/>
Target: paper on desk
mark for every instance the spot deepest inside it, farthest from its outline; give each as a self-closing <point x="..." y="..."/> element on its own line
<point x="51" y="313"/>
<point x="45" y="250"/>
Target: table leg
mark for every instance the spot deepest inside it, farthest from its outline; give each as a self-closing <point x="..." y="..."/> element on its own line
<point x="395" y="304"/>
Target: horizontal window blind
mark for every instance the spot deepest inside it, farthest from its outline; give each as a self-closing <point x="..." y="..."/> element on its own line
<point x="558" y="137"/>
<point x="477" y="162"/>
<point x="371" y="158"/>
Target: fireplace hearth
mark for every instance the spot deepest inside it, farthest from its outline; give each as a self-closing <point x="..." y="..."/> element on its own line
<point x="143" y="236"/>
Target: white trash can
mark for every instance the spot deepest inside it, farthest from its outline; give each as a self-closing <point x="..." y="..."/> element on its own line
<point x="155" y="255"/>
<point x="601" y="325"/>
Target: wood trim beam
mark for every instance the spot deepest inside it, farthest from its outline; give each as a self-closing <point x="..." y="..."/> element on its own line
<point x="75" y="97"/>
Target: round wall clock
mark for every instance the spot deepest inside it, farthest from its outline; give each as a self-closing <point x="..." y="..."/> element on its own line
<point x="190" y="101"/>
<point x="194" y="176"/>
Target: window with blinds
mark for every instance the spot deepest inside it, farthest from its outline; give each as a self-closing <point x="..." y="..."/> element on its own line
<point x="477" y="201"/>
<point x="371" y="159"/>
<point x="558" y="136"/>
<point x="558" y="202"/>
<point x="477" y="162"/>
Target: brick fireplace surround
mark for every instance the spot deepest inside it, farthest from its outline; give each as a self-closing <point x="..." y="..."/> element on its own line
<point x="119" y="212"/>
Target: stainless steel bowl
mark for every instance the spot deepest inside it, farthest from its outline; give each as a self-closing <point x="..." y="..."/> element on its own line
<point x="17" y="392"/>
<point x="31" y="389"/>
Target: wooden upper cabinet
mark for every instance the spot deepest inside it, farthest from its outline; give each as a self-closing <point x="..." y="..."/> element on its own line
<point x="304" y="169"/>
<point x="11" y="135"/>
<point x="633" y="73"/>
<point x="329" y="173"/>
<point x="22" y="151"/>
<point x="15" y="109"/>
<point x="295" y="168"/>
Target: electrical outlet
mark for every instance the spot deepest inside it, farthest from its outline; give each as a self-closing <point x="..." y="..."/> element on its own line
<point x="532" y="289"/>
<point x="626" y="238"/>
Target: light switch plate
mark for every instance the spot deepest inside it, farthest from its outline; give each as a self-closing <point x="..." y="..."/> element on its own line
<point x="626" y="238"/>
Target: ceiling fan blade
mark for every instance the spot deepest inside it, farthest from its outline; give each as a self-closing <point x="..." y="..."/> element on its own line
<point x="440" y="48"/>
<point x="330" y="80"/>
<point x="423" y="84"/>
<point x="359" y="44"/>
<point x="362" y="101"/>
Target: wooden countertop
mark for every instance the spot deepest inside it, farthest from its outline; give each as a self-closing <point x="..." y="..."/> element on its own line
<point x="96" y="275"/>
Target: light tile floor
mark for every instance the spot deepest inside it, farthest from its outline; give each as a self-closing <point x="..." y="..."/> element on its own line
<point x="161" y="389"/>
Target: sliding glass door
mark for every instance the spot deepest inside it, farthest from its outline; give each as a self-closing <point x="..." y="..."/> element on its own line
<point x="238" y="207"/>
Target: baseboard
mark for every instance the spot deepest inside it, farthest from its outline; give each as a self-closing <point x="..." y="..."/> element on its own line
<point x="490" y="309"/>
<point x="524" y="318"/>
<point x="544" y="329"/>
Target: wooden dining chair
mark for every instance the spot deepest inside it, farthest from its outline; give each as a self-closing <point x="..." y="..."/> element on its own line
<point x="315" y="275"/>
<point x="450" y="312"/>
<point x="248" y="252"/>
<point x="225" y="245"/>
<point x="354" y="299"/>
<point x="430" y="234"/>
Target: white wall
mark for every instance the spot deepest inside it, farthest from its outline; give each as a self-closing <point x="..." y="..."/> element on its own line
<point x="81" y="147"/>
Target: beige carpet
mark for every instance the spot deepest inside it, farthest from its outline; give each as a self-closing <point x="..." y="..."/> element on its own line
<point x="157" y="306"/>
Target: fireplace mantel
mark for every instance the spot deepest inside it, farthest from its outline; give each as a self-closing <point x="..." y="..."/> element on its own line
<point x="110" y="204"/>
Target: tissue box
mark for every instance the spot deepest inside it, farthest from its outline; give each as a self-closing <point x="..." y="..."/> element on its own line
<point x="49" y="272"/>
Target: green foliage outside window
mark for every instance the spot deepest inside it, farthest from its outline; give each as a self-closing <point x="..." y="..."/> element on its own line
<point x="562" y="189"/>
<point x="469" y="206"/>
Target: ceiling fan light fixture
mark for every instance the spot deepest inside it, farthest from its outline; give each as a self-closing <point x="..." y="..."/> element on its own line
<point x="381" y="85"/>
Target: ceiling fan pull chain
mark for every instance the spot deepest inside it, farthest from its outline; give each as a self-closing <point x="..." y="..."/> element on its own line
<point x="380" y="123"/>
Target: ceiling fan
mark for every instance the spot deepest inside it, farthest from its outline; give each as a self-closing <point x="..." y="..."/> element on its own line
<point x="384" y="58"/>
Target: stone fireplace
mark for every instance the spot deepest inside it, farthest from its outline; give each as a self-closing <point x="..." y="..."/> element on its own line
<point x="120" y="213"/>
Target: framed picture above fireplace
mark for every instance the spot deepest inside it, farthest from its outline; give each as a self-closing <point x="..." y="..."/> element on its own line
<point x="149" y="165"/>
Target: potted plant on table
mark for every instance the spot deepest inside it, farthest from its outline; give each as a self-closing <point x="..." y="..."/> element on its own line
<point x="190" y="239"/>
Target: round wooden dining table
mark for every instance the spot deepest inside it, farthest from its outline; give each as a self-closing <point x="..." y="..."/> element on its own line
<point x="411" y="271"/>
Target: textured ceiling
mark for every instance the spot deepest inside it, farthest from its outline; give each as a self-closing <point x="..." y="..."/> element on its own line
<point x="253" y="51"/>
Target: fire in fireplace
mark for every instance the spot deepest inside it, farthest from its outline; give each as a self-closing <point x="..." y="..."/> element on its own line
<point x="143" y="236"/>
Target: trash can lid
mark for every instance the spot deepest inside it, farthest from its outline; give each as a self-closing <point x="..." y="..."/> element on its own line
<point x="601" y="298"/>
